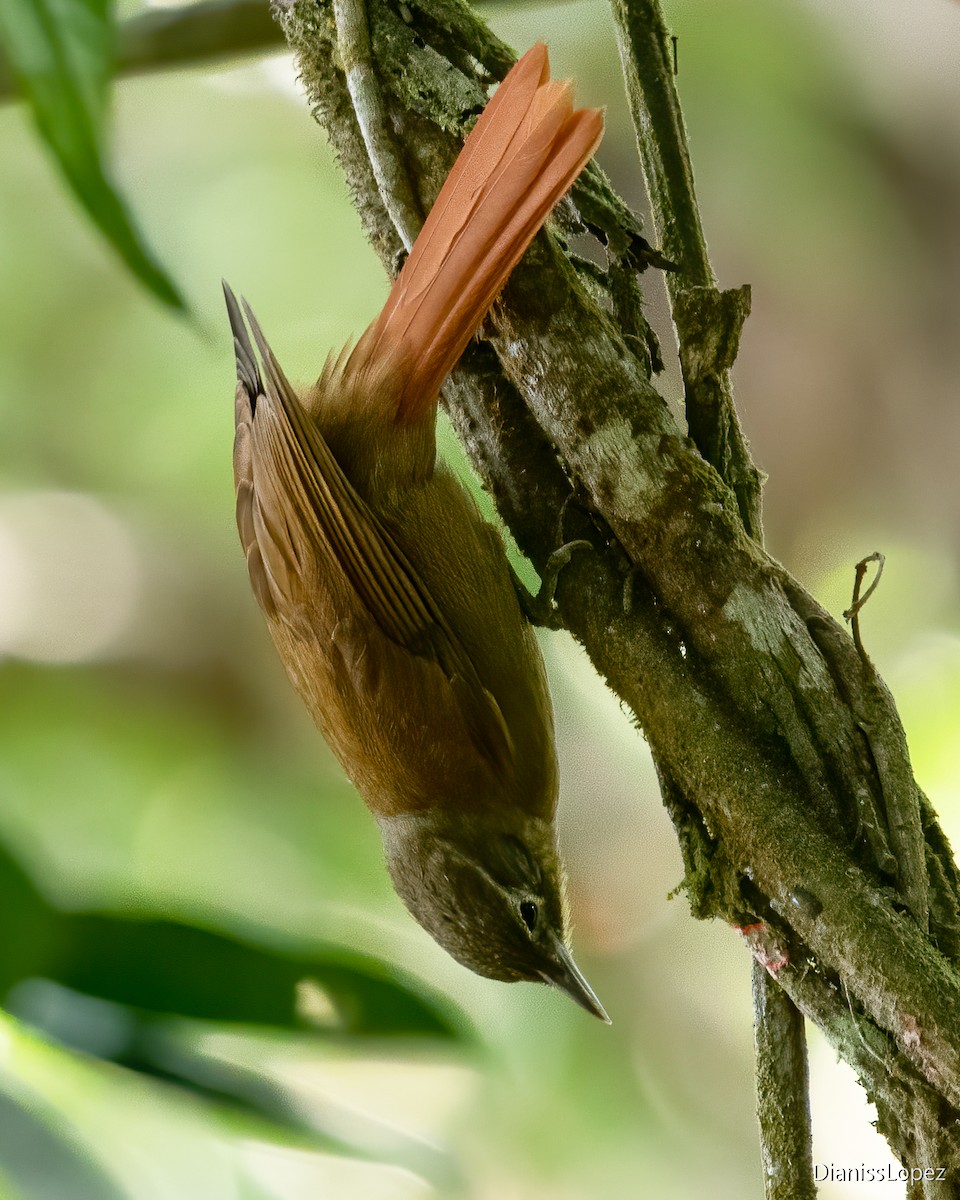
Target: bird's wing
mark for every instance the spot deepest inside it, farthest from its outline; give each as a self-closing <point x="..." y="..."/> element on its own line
<point x="293" y="501"/>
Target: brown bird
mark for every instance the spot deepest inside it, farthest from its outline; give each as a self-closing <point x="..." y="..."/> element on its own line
<point x="388" y="597"/>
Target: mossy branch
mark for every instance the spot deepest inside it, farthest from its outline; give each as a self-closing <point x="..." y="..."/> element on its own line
<point x="708" y="323"/>
<point x="782" y="755"/>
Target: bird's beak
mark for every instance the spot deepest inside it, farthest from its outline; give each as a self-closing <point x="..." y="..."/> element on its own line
<point x="565" y="974"/>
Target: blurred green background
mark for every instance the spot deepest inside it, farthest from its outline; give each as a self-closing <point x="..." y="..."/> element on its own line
<point x="154" y="762"/>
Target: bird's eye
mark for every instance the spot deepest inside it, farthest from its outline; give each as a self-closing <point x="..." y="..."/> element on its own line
<point x="528" y="913"/>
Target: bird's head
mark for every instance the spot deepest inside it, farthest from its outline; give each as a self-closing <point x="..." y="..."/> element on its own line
<point x="490" y="892"/>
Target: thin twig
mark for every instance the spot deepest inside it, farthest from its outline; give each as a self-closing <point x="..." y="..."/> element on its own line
<point x="168" y="39"/>
<point x="161" y="39"/>
<point x="708" y="321"/>
<point x="389" y="169"/>
<point x="884" y="733"/>
<point x="853" y="612"/>
<point x="647" y="59"/>
<point x="783" y="1108"/>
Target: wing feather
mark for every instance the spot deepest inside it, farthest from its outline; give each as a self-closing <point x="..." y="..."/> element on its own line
<point x="294" y="502"/>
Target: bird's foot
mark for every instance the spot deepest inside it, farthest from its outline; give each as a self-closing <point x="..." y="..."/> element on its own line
<point x="541" y="609"/>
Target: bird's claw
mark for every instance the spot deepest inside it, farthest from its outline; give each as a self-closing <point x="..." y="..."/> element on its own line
<point x="541" y="609"/>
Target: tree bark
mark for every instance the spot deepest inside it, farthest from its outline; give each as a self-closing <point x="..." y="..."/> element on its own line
<point x="783" y="761"/>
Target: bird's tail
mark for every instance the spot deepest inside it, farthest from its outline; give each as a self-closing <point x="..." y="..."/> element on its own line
<point x="523" y="154"/>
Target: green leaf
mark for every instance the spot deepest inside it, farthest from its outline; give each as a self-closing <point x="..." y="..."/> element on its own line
<point x="140" y="991"/>
<point x="172" y="968"/>
<point x="180" y="970"/>
<point x="61" y="52"/>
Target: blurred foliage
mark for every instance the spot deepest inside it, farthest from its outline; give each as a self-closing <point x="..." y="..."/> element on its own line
<point x="61" y="52"/>
<point x="164" y="802"/>
<point x="36" y="1152"/>
<point x="136" y="991"/>
<point x="156" y="966"/>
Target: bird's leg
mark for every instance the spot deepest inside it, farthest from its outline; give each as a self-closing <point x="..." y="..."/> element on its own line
<point x="540" y="609"/>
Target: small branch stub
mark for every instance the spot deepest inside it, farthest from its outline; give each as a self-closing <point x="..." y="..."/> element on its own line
<point x="852" y="614"/>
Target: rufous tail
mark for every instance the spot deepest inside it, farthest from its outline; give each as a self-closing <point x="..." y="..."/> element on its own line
<point x="523" y="154"/>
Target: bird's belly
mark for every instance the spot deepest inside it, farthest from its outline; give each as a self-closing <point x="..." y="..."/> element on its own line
<point x="391" y="716"/>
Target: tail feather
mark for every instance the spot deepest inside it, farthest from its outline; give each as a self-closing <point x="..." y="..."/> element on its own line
<point x="523" y="154"/>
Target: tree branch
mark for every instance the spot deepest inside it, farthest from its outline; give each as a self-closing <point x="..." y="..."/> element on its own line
<point x="389" y="170"/>
<point x="708" y="324"/>
<point x="779" y="751"/>
<point x="782" y="1089"/>
<point x="708" y="321"/>
<point x="164" y="39"/>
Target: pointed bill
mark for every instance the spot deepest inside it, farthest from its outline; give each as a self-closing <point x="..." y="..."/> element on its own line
<point x="566" y="975"/>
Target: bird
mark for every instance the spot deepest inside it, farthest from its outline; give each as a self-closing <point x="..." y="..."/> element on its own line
<point x="388" y="597"/>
